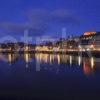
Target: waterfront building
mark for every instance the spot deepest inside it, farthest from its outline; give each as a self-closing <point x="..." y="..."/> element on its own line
<point x="89" y="40"/>
<point x="95" y="42"/>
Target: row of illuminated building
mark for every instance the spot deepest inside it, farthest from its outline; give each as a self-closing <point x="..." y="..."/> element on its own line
<point x="89" y="41"/>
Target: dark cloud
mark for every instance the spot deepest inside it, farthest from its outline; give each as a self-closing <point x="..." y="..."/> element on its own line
<point x="18" y="28"/>
<point x="45" y="17"/>
<point x="11" y="27"/>
<point x="64" y="16"/>
<point x="39" y="20"/>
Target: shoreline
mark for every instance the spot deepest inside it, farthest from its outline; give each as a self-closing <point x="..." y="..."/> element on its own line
<point x="75" y="53"/>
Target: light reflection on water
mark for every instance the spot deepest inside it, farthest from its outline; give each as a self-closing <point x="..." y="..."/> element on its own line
<point x="46" y="74"/>
<point x="88" y="65"/>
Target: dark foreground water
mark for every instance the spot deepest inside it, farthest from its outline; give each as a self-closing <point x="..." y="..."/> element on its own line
<point x="49" y="77"/>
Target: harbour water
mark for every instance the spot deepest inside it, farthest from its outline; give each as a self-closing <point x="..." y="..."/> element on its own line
<point x="49" y="76"/>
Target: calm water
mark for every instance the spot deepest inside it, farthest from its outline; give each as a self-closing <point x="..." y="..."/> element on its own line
<point x="49" y="76"/>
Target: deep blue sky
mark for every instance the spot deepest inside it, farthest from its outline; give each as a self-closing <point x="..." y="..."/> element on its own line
<point x="48" y="17"/>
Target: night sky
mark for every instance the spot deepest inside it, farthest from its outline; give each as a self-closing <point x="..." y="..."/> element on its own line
<point x="48" y="17"/>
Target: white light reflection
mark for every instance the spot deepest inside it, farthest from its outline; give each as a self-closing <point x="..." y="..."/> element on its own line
<point x="9" y="58"/>
<point x="26" y="57"/>
<point x="79" y="60"/>
<point x="70" y="59"/>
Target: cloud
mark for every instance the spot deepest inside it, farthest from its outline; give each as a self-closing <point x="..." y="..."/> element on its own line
<point x="64" y="16"/>
<point x="39" y="20"/>
<point x="18" y="28"/>
<point x="45" y="17"/>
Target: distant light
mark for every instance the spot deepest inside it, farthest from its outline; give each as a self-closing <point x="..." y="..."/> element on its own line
<point x="89" y="33"/>
<point x="92" y="46"/>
